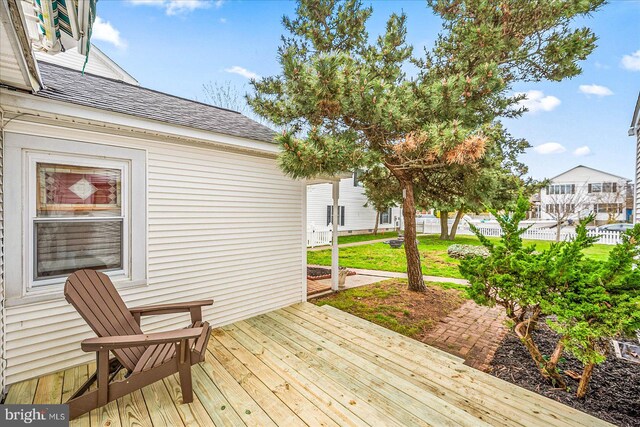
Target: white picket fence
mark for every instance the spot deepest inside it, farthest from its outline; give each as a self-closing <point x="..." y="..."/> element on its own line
<point x="318" y="236"/>
<point x="604" y="237"/>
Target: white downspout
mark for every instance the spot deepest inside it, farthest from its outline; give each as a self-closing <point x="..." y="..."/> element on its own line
<point x="334" y="235"/>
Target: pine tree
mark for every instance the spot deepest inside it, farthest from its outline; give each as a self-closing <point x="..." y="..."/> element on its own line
<point x="345" y="102"/>
<point x="382" y="191"/>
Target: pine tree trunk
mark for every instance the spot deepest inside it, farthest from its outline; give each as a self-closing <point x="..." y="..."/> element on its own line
<point x="583" y="386"/>
<point x="522" y="331"/>
<point x="444" y="225"/>
<point x="375" y="229"/>
<point x="414" y="269"/>
<point x="456" y="222"/>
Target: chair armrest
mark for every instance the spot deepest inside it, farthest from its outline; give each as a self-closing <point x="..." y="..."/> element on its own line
<point x="142" y="340"/>
<point x="178" y="307"/>
<point x="193" y="307"/>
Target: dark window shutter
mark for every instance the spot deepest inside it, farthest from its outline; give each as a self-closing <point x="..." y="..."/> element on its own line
<point x="341" y="215"/>
<point x="573" y="189"/>
<point x="614" y="187"/>
<point x="329" y="208"/>
<point x="355" y="179"/>
<point x="589" y="188"/>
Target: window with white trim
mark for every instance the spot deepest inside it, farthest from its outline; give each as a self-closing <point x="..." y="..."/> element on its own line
<point x="603" y="187"/>
<point x="608" y="208"/>
<point x="561" y="189"/>
<point x="79" y="218"/>
<point x="341" y="215"/>
<point x="75" y="205"/>
<point x="385" y="216"/>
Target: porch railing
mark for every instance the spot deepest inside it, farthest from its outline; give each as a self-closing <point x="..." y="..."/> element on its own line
<point x="318" y="236"/>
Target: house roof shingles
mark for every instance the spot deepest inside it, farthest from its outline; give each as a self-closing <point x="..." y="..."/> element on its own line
<point x="67" y="85"/>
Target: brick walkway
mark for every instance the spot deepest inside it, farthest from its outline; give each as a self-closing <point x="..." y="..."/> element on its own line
<point x="318" y="286"/>
<point x="472" y="332"/>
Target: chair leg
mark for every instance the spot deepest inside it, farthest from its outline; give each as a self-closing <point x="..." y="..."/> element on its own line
<point x="184" y="371"/>
<point x="103" y="377"/>
<point x="114" y="368"/>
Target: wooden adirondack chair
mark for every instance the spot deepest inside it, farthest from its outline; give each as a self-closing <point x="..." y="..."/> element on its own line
<point x="146" y="357"/>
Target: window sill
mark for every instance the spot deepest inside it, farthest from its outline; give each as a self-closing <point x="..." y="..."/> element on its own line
<point x="56" y="293"/>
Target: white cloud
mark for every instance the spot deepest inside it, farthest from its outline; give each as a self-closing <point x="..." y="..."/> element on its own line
<point x="219" y="4"/>
<point x="596" y="90"/>
<point x="223" y="20"/>
<point x="236" y="69"/>
<point x="631" y="62"/>
<point x="582" y="151"/>
<point x="103" y="30"/>
<point x="549" y="148"/>
<point x="175" y="7"/>
<point x="537" y="101"/>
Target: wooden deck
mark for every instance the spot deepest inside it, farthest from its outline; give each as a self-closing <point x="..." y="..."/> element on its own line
<point x="317" y="366"/>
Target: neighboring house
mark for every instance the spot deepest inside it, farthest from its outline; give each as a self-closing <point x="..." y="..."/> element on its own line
<point x="635" y="131"/>
<point x="176" y="200"/>
<point x="354" y="217"/>
<point x="581" y="191"/>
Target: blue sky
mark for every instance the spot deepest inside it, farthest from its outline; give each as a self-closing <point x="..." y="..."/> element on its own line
<point x="176" y="46"/>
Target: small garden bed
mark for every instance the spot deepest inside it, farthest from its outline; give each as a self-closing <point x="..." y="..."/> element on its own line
<point x="391" y="305"/>
<point x="319" y="273"/>
<point x="614" y="390"/>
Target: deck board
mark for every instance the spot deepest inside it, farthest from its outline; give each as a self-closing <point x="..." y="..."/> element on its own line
<point x="309" y="365"/>
<point x="425" y="406"/>
<point x="327" y="397"/>
<point x="437" y="379"/>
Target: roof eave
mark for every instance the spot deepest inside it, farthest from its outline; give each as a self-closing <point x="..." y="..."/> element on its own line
<point x="593" y="169"/>
<point x="326" y="179"/>
<point x="22" y="103"/>
<point x="12" y="14"/>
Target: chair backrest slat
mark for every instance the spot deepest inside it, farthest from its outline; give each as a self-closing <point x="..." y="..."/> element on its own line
<point x="96" y="299"/>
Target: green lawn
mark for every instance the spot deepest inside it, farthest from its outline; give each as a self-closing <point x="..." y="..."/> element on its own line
<point x="365" y="237"/>
<point x="388" y="304"/>
<point x="433" y="251"/>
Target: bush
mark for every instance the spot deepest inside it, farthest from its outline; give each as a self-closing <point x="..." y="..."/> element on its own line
<point x="588" y="301"/>
<point x="458" y="251"/>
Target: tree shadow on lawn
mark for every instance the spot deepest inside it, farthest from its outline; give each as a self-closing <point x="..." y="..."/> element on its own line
<point x="391" y="305"/>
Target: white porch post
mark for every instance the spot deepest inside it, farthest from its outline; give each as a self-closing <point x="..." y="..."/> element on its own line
<point x="334" y="235"/>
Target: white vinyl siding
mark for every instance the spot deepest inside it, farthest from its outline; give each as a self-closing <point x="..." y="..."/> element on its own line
<point x="584" y="188"/>
<point x="221" y="224"/>
<point x="98" y="64"/>
<point x="357" y="216"/>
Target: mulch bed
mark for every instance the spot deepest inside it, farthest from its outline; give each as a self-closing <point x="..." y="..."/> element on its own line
<point x="614" y="390"/>
<point x="319" y="273"/>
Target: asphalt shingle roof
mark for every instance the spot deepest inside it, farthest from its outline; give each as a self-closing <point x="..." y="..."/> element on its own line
<point x="64" y="84"/>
